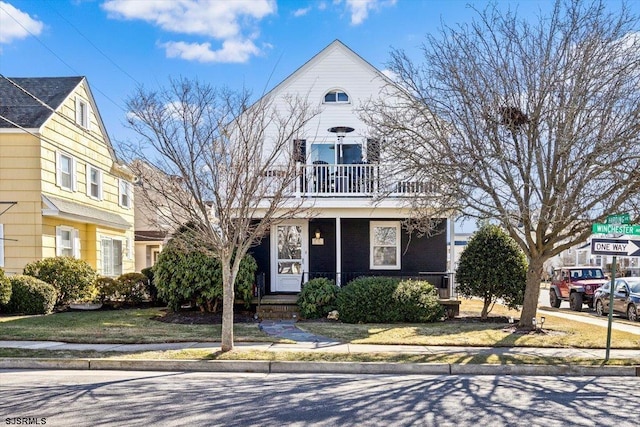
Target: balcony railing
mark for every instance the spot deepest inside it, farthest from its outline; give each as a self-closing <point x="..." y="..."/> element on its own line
<point x="355" y="180"/>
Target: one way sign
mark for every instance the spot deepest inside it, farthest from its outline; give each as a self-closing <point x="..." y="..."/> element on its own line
<point x="620" y="247"/>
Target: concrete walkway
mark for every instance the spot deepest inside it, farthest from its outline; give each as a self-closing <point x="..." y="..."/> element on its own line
<point x="307" y="342"/>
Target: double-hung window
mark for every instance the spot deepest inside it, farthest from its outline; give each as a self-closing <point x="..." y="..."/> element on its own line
<point x="67" y="241"/>
<point x="111" y="256"/>
<point x="385" y="245"/>
<point x="66" y="171"/>
<point x="125" y="194"/>
<point x="94" y="182"/>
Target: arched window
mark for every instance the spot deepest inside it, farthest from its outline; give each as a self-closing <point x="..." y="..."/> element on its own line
<point x="336" y="96"/>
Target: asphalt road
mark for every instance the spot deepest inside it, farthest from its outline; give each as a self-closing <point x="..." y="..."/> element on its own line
<point x="113" y="398"/>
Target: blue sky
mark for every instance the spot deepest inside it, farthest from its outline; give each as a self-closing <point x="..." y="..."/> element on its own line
<point x="120" y="44"/>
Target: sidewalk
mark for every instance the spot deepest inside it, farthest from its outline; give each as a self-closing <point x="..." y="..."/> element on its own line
<point x="306" y="342"/>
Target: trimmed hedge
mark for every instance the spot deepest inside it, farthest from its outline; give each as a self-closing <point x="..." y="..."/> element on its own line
<point x="418" y="300"/>
<point x="388" y="300"/>
<point x="31" y="296"/>
<point x="5" y="288"/>
<point x="74" y="279"/>
<point x="129" y="288"/>
<point x="368" y="300"/>
<point x="317" y="298"/>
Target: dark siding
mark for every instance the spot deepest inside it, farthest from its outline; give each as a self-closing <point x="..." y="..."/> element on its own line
<point x="419" y="254"/>
<point x="322" y="258"/>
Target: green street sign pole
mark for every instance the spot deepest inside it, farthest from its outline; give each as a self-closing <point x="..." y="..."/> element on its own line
<point x="611" y="289"/>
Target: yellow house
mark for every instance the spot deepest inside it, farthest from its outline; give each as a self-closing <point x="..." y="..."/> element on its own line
<point x="62" y="189"/>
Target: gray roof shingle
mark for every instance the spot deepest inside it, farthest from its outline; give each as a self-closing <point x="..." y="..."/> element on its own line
<point x="25" y="111"/>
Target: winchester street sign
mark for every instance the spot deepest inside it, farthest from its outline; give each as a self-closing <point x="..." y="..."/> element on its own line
<point x="619" y="247"/>
<point x="628" y="229"/>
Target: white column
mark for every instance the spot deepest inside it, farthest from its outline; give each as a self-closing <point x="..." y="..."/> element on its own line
<point x="452" y="255"/>
<point x="338" y="252"/>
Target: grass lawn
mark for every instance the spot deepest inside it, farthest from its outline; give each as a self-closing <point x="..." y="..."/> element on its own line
<point x="116" y="326"/>
<point x="137" y="326"/>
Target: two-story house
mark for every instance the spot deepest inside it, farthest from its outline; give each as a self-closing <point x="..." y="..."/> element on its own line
<point x="347" y="230"/>
<point x="63" y="190"/>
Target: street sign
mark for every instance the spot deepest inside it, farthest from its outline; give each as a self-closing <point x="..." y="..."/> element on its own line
<point x="619" y="219"/>
<point x="628" y="229"/>
<point x="619" y="247"/>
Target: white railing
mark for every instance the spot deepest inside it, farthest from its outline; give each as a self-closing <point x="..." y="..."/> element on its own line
<point x="355" y="180"/>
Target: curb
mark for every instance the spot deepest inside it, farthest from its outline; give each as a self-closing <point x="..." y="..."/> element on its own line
<point x="269" y="367"/>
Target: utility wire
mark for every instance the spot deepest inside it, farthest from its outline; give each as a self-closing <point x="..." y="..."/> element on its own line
<point x="59" y="58"/>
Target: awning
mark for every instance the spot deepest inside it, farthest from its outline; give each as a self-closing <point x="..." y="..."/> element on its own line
<point x="81" y="213"/>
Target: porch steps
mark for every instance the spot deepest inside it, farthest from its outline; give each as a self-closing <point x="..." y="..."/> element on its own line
<point x="278" y="307"/>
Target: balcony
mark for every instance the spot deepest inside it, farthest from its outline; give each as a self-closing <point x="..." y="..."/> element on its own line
<point x="354" y="180"/>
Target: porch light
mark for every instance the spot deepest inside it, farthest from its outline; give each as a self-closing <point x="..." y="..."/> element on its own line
<point x="317" y="233"/>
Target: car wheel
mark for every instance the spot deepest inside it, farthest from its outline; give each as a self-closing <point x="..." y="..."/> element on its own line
<point x="575" y="301"/>
<point x="632" y="313"/>
<point x="600" y="308"/>
<point x="554" y="301"/>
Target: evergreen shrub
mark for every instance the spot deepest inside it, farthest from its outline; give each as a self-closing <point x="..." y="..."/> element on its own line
<point x="317" y="298"/>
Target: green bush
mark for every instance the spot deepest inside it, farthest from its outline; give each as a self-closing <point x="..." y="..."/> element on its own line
<point x="388" y="300"/>
<point x="317" y="298"/>
<point x="5" y="288"/>
<point x="135" y="288"/>
<point x="31" y="296"/>
<point x="418" y="300"/>
<point x="492" y="267"/>
<point x="191" y="275"/>
<point x="73" y="279"/>
<point x="368" y="300"/>
<point x="109" y="289"/>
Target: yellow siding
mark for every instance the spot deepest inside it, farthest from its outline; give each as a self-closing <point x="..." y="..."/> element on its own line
<point x="28" y="171"/>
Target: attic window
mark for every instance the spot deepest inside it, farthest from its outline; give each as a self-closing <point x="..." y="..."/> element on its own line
<point x="336" y="96"/>
<point x="82" y="113"/>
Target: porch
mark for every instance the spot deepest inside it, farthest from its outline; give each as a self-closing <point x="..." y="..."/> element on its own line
<point x="322" y="179"/>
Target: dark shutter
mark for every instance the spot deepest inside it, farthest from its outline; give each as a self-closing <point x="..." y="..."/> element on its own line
<point x="373" y="151"/>
<point x="300" y="150"/>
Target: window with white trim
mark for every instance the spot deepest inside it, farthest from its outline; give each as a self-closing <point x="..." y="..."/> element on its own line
<point x="94" y="182"/>
<point x="66" y="171"/>
<point x="111" y="256"/>
<point x="67" y="241"/>
<point x="336" y="96"/>
<point x="1" y="245"/>
<point x="125" y="194"/>
<point x="385" y="245"/>
<point x="82" y="112"/>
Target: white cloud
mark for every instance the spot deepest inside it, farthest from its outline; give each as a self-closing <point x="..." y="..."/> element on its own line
<point x="360" y="8"/>
<point x="231" y="51"/>
<point x="301" y="12"/>
<point x="225" y="21"/>
<point x="16" y="24"/>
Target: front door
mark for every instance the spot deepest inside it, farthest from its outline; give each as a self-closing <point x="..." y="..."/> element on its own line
<point x="289" y="256"/>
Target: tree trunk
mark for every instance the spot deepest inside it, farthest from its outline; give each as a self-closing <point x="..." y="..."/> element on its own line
<point x="485" y="308"/>
<point x="532" y="292"/>
<point x="227" y="307"/>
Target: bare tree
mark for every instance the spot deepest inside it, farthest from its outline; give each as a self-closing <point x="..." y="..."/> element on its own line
<point x="225" y="167"/>
<point x="534" y="125"/>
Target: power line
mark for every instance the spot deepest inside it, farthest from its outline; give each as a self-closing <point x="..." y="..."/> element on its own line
<point x="59" y="58"/>
<point x="115" y="64"/>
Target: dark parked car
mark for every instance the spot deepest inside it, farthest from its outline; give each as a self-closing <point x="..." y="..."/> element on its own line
<point x="626" y="298"/>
